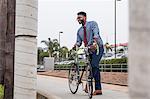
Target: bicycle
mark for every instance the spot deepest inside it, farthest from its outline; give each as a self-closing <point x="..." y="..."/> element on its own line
<point x="74" y="77"/>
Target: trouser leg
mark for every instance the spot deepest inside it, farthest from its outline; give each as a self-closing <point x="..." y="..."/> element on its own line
<point x="95" y="59"/>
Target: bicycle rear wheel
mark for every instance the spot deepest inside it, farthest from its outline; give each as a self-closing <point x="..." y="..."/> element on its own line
<point x="89" y="81"/>
<point x="73" y="78"/>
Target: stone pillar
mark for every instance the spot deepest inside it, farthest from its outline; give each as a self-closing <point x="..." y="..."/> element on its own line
<point x="139" y="49"/>
<point x="48" y="63"/>
<point x="26" y="49"/>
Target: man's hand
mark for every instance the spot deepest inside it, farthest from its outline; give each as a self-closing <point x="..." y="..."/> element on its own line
<point x="75" y="46"/>
<point x="93" y="47"/>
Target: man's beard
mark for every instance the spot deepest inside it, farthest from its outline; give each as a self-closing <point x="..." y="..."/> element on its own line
<point x="81" y="22"/>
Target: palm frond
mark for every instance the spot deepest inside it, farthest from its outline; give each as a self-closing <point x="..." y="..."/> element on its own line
<point x="45" y="42"/>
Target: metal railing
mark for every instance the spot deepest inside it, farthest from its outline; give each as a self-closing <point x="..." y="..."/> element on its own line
<point x="102" y="67"/>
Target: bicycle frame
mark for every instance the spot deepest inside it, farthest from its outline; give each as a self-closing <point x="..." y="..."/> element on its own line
<point x="87" y="63"/>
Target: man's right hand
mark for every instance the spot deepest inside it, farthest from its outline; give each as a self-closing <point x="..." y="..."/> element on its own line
<point x="75" y="46"/>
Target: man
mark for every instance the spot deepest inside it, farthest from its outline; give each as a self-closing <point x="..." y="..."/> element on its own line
<point x="89" y="34"/>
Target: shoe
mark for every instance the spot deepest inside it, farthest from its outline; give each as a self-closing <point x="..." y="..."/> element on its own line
<point x="97" y="92"/>
<point x="85" y="90"/>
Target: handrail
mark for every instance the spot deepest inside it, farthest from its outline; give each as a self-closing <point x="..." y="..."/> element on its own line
<point x="102" y="67"/>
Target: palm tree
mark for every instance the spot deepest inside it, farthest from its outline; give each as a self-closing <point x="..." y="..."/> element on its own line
<point x="55" y="44"/>
<point x="39" y="57"/>
<point x="64" y="52"/>
<point x="55" y="48"/>
<point x="49" y="45"/>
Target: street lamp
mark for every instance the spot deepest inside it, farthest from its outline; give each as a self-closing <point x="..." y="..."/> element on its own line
<point x="59" y="46"/>
<point x="115" y="25"/>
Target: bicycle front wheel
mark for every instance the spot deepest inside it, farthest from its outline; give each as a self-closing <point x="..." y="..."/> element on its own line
<point x="89" y="81"/>
<point x="73" y="78"/>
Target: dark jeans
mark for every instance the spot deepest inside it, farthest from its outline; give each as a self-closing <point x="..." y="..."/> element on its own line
<point x="95" y="59"/>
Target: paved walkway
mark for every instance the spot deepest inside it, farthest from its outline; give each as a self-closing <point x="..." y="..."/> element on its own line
<point x="57" y="88"/>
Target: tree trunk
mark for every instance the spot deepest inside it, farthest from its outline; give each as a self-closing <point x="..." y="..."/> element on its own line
<point x="3" y="28"/>
<point x="9" y="50"/>
<point x="7" y="46"/>
<point x="50" y="54"/>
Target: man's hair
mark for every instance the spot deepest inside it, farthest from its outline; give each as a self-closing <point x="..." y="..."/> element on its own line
<point x="81" y="13"/>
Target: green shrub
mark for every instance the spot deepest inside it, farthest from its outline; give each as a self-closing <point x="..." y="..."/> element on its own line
<point x="44" y="54"/>
<point x="41" y="57"/>
<point x="115" y="61"/>
<point x="1" y="92"/>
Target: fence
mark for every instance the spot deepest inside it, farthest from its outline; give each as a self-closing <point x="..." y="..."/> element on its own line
<point x="103" y="67"/>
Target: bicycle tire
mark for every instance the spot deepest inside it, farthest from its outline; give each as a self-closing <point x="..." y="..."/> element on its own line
<point x="73" y="68"/>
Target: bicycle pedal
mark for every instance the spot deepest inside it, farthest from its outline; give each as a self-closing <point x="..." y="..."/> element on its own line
<point x="80" y="82"/>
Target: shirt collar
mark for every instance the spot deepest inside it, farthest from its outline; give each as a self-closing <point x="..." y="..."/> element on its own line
<point x="85" y="24"/>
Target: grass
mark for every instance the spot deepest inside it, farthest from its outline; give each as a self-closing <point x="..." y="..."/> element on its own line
<point x="1" y="92"/>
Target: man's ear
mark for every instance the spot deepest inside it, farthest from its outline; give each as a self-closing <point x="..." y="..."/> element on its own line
<point x="85" y="18"/>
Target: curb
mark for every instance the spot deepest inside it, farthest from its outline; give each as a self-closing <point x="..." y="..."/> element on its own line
<point x="47" y="95"/>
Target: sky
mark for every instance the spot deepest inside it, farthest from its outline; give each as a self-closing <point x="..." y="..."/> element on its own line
<point x="60" y="15"/>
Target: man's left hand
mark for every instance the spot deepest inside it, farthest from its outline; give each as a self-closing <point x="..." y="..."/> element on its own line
<point x="93" y="47"/>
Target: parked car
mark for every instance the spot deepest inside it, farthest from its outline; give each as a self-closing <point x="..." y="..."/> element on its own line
<point x="112" y="55"/>
<point x="107" y="56"/>
<point x="40" y="68"/>
<point x="125" y="56"/>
